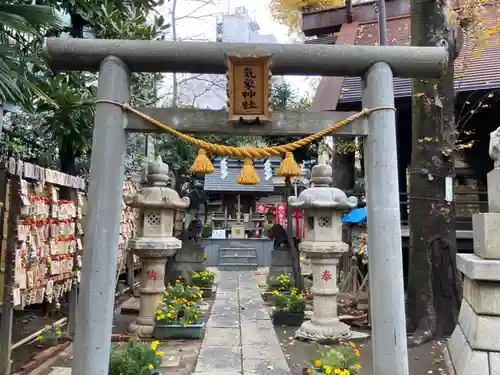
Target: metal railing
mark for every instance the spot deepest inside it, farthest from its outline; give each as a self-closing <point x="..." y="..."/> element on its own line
<point x="466" y="205"/>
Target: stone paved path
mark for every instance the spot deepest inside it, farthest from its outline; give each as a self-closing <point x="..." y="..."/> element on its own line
<point x="240" y="338"/>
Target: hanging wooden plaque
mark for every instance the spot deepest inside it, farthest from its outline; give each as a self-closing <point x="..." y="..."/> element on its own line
<point x="248" y="89"/>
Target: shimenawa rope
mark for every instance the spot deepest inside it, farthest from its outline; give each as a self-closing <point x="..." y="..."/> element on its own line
<point x="289" y="168"/>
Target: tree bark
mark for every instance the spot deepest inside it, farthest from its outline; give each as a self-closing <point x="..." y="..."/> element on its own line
<point x="434" y="289"/>
<point x="343" y="169"/>
<point x="67" y="160"/>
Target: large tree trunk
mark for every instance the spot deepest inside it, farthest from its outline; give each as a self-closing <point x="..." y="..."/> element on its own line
<point x="434" y="289"/>
<point x="67" y="160"/>
<point x="343" y="168"/>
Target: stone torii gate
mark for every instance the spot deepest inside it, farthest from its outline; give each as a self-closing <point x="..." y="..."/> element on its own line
<point x="115" y="59"/>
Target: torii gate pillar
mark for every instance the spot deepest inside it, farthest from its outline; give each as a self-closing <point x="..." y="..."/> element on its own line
<point x="102" y="223"/>
<point x="387" y="306"/>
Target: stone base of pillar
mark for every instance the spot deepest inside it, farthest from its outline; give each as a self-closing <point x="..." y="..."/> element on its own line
<point x="332" y="332"/>
<point x="474" y="348"/>
<point x="461" y="359"/>
<point x="188" y="259"/>
<point x="281" y="263"/>
<point x="139" y="330"/>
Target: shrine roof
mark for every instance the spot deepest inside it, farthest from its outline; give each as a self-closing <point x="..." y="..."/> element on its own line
<point x="473" y="70"/>
<point x="215" y="182"/>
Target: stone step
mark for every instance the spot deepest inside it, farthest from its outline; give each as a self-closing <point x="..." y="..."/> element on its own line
<point x="237" y="267"/>
<point x="237" y="259"/>
<point x="237" y="251"/>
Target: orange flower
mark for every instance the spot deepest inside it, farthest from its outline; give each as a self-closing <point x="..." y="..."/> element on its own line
<point x="317" y="363"/>
<point x="358" y="366"/>
<point x="308" y="370"/>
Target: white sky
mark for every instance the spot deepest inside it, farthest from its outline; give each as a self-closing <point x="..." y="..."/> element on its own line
<point x="202" y="24"/>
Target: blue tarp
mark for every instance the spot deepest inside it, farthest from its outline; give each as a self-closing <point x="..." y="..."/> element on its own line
<point x="356" y="216"/>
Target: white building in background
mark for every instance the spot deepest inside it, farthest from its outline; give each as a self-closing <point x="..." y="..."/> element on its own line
<point x="209" y="91"/>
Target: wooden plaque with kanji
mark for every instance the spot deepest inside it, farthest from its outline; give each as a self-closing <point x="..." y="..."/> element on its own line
<point x="248" y="89"/>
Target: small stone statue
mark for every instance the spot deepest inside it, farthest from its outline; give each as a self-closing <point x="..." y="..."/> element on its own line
<point x="194" y="229"/>
<point x="495" y="147"/>
<point x="279" y="235"/>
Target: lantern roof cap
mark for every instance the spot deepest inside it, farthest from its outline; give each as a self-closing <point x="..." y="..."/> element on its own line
<point x="156" y="193"/>
<point x="321" y="194"/>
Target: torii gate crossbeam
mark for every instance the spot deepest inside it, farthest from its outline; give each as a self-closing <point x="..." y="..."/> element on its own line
<point x="115" y="59"/>
<point x="209" y="57"/>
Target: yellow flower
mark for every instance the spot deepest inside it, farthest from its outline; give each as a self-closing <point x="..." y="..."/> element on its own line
<point x="150" y="366"/>
<point x="317" y="363"/>
<point x="356" y="352"/>
<point x="185" y="325"/>
<point x="177" y="281"/>
<point x="308" y="370"/>
<point x="352" y="344"/>
<point x="59" y="332"/>
<point x="160" y="354"/>
<point x="327" y="369"/>
<point x="347" y="372"/>
<point x="337" y="371"/>
<point x="39" y="338"/>
<point x="154" y="345"/>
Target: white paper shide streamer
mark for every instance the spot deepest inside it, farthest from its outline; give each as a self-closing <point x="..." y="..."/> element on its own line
<point x="223" y="168"/>
<point x="268" y="170"/>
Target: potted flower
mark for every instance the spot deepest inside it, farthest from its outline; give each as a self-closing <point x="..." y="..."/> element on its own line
<point x="50" y="336"/>
<point x="289" y="308"/>
<point x="342" y="360"/>
<point x="281" y="283"/>
<point x="181" y="292"/>
<point x="180" y="320"/>
<point x="205" y="281"/>
<point x="137" y="358"/>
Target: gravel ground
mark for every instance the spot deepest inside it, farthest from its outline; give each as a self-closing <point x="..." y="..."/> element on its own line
<point x="426" y="359"/>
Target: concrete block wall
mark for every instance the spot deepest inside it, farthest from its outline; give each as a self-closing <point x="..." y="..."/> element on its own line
<point x="474" y="346"/>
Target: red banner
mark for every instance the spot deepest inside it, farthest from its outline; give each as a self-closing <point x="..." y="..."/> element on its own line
<point x="279" y="211"/>
<point x="260" y="208"/>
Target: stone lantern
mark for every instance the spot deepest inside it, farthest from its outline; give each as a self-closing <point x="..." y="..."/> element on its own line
<point x="323" y="207"/>
<point x="155" y="242"/>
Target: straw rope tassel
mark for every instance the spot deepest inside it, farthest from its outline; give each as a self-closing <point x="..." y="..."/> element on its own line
<point x="248" y="174"/>
<point x="202" y="163"/>
<point x="289" y="167"/>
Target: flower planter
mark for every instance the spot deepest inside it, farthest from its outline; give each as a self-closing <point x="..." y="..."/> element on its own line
<point x="266" y="295"/>
<point x="285" y="318"/>
<point x="177" y="331"/>
<point x="207" y="291"/>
